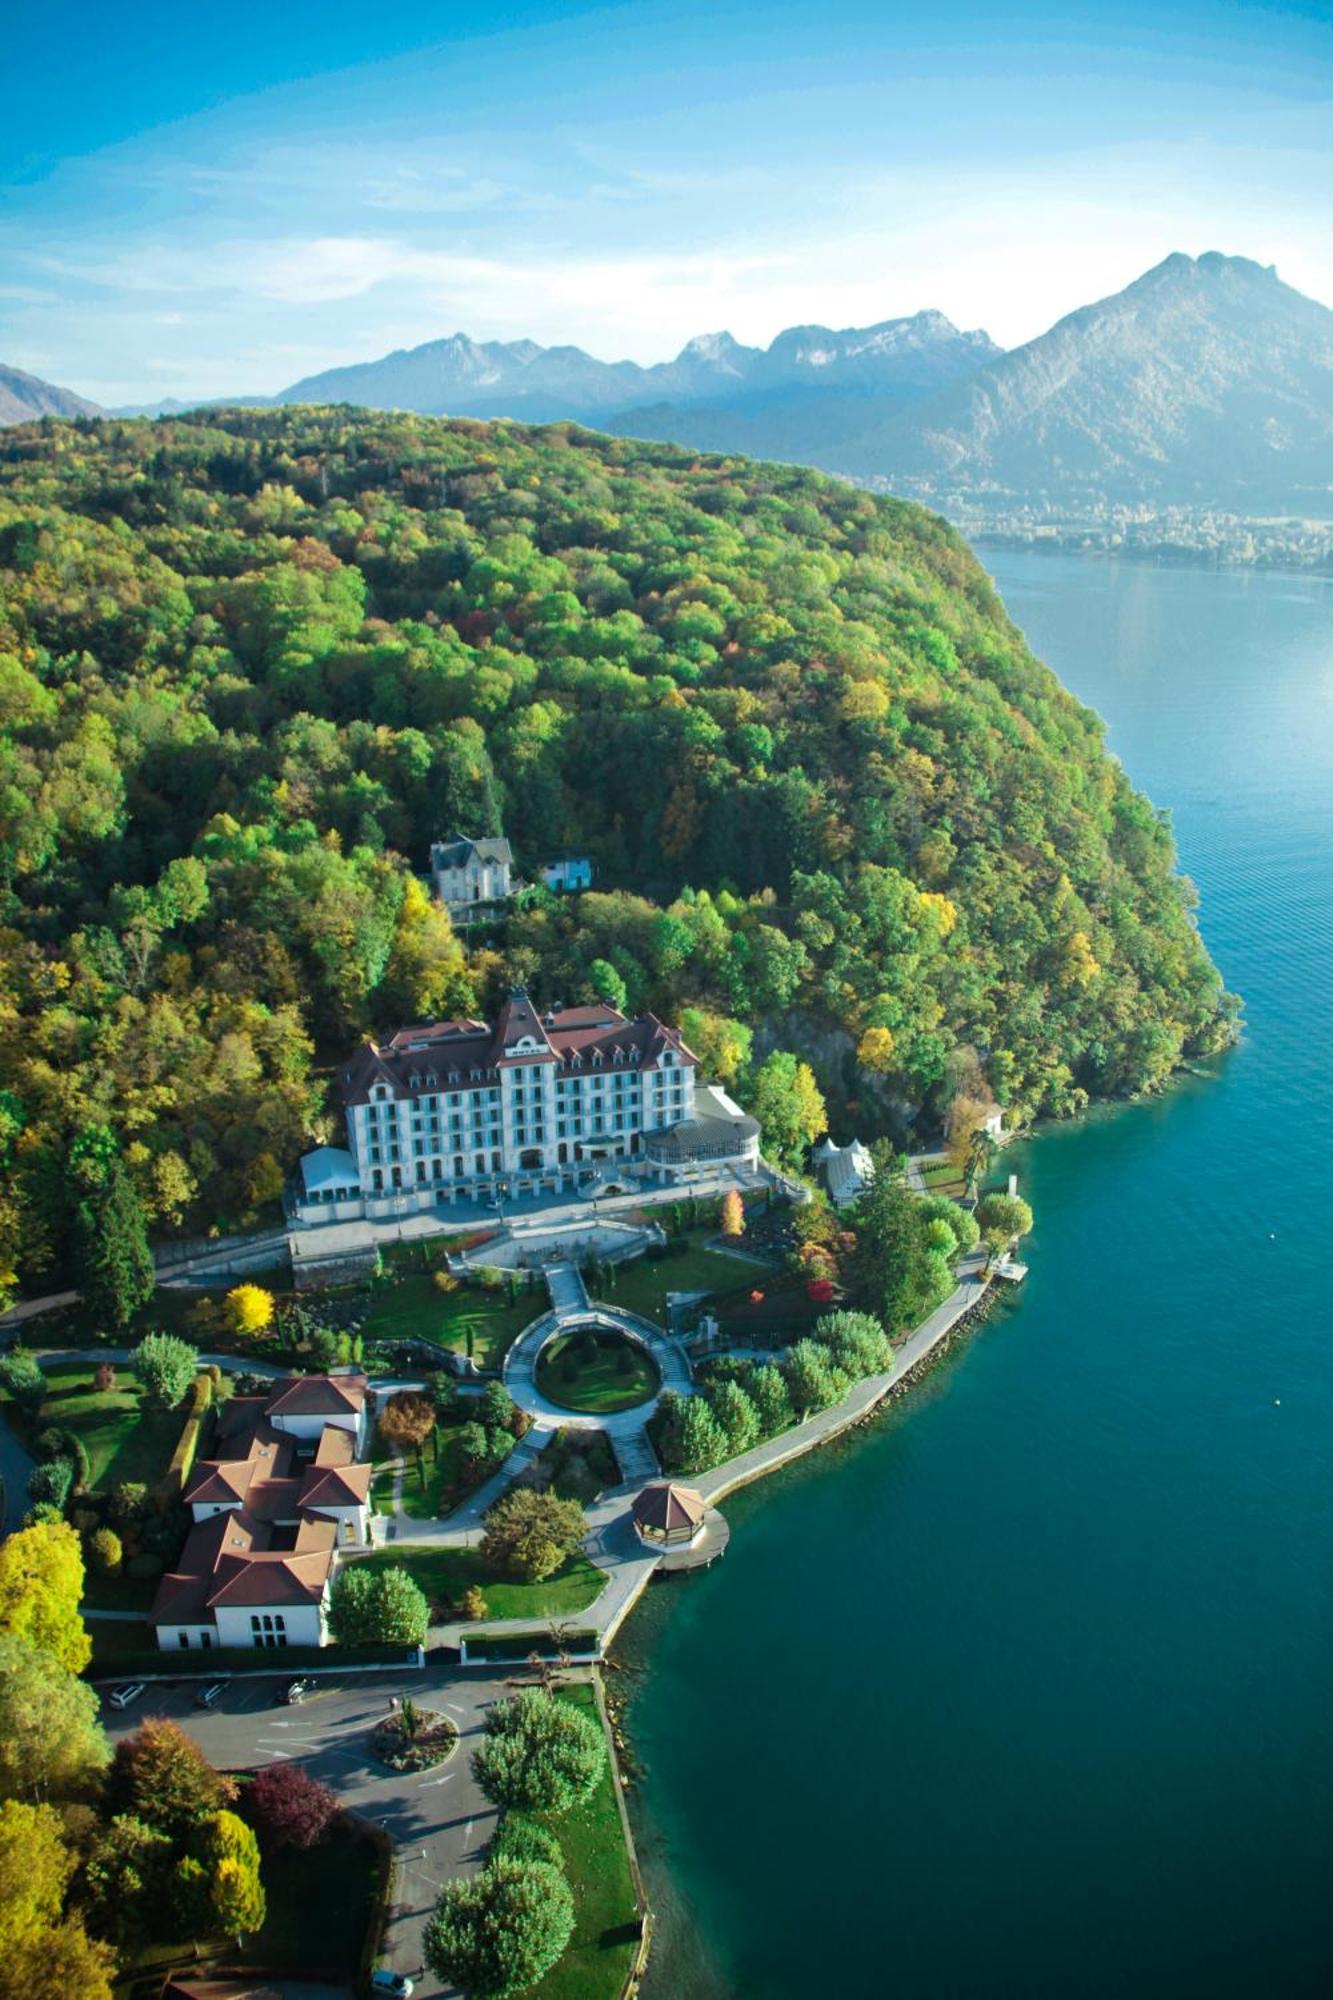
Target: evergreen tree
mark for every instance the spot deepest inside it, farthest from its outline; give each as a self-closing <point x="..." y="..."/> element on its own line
<point x="111" y="1253"/>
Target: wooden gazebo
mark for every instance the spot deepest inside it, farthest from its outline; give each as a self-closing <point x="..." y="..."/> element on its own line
<point x="669" y="1516"/>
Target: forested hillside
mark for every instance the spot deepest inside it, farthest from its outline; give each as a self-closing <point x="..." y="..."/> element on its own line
<point x="251" y="663"/>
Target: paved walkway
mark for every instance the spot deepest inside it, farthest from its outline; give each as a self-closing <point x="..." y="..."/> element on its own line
<point x="520" y="1364"/>
<point x="612" y="1542"/>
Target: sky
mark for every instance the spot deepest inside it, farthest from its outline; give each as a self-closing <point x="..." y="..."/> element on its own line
<point x="213" y="201"/>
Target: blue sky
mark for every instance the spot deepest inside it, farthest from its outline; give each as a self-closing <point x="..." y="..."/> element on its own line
<point x="196" y="210"/>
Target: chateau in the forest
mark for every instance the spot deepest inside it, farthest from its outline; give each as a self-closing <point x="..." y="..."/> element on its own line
<point x="538" y="1103"/>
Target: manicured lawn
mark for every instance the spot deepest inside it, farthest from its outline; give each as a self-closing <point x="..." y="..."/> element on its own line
<point x="440" y="1483"/>
<point x="444" y="1574"/>
<point x="943" y="1178"/>
<point x="596" y="1372"/>
<point x="642" y="1287"/>
<point x="125" y="1439"/>
<point x="319" y="1904"/>
<point x="597" y="1960"/>
<point x="411" y="1306"/>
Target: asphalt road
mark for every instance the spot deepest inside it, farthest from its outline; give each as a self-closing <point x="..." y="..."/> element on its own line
<point x="438" y="1820"/>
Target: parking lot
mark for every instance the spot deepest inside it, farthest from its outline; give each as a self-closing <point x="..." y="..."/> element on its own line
<point x="438" y="1820"/>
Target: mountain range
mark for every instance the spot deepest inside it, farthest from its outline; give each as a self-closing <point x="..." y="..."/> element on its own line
<point x="24" y="397"/>
<point x="1205" y="383"/>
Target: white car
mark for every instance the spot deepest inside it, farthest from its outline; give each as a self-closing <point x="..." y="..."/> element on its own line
<point x="121" y="1697"/>
<point x="393" y="1985"/>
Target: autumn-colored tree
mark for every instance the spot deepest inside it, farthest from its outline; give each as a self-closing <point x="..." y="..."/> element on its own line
<point x="41" y="1588"/>
<point x="216" y="1881"/>
<point x="42" y="1953"/>
<point x="875" y="1050"/>
<point x="248" y="1311"/>
<point x="104" y="1377"/>
<point x="289" y="1808"/>
<point x="733" y="1215"/>
<point x="529" y="1534"/>
<point x="406" y="1421"/>
<point x="161" y="1776"/>
<point x="51" y="1741"/>
<point x="788" y="1104"/>
<point x="472" y="1605"/>
<point x="106" y="1551"/>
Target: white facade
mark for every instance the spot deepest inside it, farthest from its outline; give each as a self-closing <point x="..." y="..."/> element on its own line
<point x="263" y="1625"/>
<point x="539" y="1105"/>
<point x="467" y="872"/>
<point x="312" y="1427"/>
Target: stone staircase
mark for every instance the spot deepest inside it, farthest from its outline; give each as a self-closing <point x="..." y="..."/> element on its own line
<point x="634" y="1455"/>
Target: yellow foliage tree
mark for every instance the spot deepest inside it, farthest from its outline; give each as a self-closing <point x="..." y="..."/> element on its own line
<point x="874" y="1051"/>
<point x="864" y="701"/>
<point x="733" y="1214"/>
<point x="41" y="1586"/>
<point x="942" y="911"/>
<point x="35" y="1867"/>
<point x="248" y="1310"/>
<point x="1080" y="967"/>
<point x="426" y="975"/>
<point x="43" y="1955"/>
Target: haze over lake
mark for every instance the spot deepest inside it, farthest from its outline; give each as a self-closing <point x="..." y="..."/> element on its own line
<point x="1027" y="1692"/>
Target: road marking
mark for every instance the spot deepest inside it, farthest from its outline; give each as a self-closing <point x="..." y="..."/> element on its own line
<point x="437" y="1781"/>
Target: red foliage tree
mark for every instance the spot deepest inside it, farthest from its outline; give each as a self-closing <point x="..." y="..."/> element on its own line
<point x="289" y="1808"/>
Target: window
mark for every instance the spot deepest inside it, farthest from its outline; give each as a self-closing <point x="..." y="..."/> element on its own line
<point x="205" y="1639"/>
<point x="184" y="1641"/>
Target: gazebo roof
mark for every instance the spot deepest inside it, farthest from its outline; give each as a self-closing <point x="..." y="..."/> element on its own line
<point x="669" y="1506"/>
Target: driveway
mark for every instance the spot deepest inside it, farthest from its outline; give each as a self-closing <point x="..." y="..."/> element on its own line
<point x="438" y="1820"/>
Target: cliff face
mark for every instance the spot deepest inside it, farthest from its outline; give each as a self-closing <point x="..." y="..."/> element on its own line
<point x="1207" y="381"/>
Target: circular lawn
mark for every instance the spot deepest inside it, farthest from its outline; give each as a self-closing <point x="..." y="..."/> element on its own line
<point x="596" y="1371"/>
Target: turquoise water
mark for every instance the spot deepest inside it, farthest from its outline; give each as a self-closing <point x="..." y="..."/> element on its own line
<point x="1028" y="1692"/>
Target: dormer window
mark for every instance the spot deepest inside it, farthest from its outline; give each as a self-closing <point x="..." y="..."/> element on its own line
<point x="597" y="1059"/>
<point x="414" y="1081"/>
<point x="620" y="1054"/>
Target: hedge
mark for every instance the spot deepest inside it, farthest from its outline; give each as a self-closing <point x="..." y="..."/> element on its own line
<point x="187" y="1446"/>
<point x="284" y="1662"/>
<point x="520" y="1646"/>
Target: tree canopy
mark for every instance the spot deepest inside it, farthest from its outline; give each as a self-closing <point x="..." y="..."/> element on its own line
<point x="252" y="662"/>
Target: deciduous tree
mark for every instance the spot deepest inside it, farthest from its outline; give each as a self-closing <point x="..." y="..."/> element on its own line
<point x="496" y="1934"/>
<point x="52" y="1746"/>
<point x="166" y="1366"/>
<point x="248" y="1311"/>
<point x="1002" y="1218"/>
<point x="787" y="1102"/>
<point x="541" y="1754"/>
<point x="406" y="1421"/>
<point x="529" y="1534"/>
<point x="41" y="1588"/>
<point x="161" y="1776"/>
<point x="289" y="1808"/>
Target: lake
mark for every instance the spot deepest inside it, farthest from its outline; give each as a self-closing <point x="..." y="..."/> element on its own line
<point x="1027" y="1691"/>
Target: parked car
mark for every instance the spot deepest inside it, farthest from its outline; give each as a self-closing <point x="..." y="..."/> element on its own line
<point x="296" y="1691"/>
<point x="394" y="1985"/>
<point x="121" y="1697"/>
<point x="210" y="1696"/>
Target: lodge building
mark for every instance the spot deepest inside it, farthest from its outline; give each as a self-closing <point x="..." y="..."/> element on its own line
<point x="540" y="1103"/>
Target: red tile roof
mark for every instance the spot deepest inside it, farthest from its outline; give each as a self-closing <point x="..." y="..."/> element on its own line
<point x="318" y="1396"/>
<point x="467" y="1055"/>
